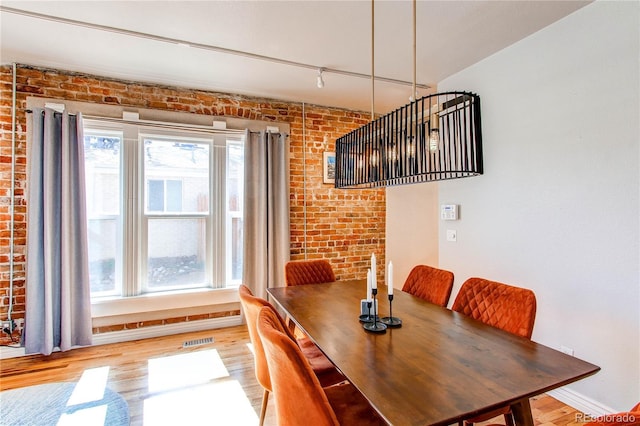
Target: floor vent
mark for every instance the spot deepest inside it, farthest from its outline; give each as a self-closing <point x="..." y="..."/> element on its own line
<point x="197" y="342"/>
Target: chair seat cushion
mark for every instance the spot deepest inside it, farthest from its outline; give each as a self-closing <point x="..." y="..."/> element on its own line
<point x="350" y="407"/>
<point x="326" y="372"/>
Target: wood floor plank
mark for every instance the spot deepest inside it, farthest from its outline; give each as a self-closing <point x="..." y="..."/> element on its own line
<point x="236" y="393"/>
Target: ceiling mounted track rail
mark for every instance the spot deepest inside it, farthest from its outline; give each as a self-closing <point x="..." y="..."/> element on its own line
<point x="202" y="46"/>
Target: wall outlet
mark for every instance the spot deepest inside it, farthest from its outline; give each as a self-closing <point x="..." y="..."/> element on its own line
<point x="7" y="326"/>
<point x="18" y="325"/>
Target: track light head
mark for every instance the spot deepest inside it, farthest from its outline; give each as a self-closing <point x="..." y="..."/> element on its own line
<point x="319" y="80"/>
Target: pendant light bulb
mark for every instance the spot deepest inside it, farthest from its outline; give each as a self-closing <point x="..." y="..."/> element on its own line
<point x="434" y="134"/>
<point x="319" y="80"/>
<point x="434" y="140"/>
<point x="411" y="149"/>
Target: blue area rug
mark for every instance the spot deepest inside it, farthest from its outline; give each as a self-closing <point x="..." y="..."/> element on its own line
<point x="52" y="404"/>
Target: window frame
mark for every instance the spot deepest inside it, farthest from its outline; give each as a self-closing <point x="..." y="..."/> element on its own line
<point x="120" y="310"/>
<point x="116" y="131"/>
<point x="133" y="249"/>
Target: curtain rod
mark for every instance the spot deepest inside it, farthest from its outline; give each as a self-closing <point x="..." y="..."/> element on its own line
<point x="165" y="125"/>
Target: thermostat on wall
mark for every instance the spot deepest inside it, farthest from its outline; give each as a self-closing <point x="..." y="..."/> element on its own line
<point x="449" y="212"/>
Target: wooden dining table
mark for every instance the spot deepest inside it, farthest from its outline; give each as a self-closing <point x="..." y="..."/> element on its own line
<point x="438" y="368"/>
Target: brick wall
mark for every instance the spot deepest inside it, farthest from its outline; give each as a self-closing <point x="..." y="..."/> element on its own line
<point x="345" y="226"/>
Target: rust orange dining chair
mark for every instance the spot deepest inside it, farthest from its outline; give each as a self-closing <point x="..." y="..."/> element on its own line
<point x="509" y="308"/>
<point x="627" y="418"/>
<point x="431" y="284"/>
<point x="300" y="272"/>
<point x="322" y="367"/>
<point x="300" y="399"/>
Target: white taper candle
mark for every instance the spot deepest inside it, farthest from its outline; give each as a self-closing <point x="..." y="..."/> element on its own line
<point x="374" y="281"/>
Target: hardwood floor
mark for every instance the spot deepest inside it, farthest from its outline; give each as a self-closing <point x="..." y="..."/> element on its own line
<point x="166" y="383"/>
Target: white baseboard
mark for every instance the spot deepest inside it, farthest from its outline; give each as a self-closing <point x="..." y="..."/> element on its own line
<point x="7" y="352"/>
<point x="580" y="402"/>
<point x="145" y="333"/>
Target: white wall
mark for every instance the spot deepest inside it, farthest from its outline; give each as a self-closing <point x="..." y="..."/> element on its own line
<point x="412" y="228"/>
<point x="557" y="208"/>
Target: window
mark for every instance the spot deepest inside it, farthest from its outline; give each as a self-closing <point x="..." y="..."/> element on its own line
<point x="103" y="183"/>
<point x="165" y="209"/>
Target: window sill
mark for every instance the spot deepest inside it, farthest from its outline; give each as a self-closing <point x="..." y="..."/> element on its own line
<point x="158" y="303"/>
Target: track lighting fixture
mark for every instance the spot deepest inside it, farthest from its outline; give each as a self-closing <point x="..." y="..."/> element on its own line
<point x="319" y="80"/>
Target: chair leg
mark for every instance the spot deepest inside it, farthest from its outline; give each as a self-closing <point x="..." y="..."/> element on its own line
<point x="508" y="419"/>
<point x="263" y="410"/>
<point x="291" y="325"/>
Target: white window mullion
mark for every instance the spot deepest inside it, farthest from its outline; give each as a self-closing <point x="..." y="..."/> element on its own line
<point x="233" y="205"/>
<point x="131" y="249"/>
<point x="218" y="205"/>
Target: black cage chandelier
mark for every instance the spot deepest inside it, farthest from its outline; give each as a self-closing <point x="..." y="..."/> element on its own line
<point x="434" y="138"/>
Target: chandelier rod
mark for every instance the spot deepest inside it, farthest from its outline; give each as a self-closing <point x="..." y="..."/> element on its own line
<point x="414" y="94"/>
<point x="373" y="80"/>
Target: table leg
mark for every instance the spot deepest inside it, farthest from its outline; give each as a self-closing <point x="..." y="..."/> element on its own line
<point x="522" y="412"/>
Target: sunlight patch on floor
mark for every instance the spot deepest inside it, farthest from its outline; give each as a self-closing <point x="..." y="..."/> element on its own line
<point x="90" y="387"/>
<point x="85" y="416"/>
<point x="189" y="369"/>
<point x="223" y="403"/>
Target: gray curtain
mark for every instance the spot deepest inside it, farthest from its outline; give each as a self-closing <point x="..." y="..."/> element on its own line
<point x="266" y="210"/>
<point x="58" y="300"/>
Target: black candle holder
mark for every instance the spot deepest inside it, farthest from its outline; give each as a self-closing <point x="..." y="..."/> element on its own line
<point x="368" y="317"/>
<point x="391" y="321"/>
<point x="375" y="326"/>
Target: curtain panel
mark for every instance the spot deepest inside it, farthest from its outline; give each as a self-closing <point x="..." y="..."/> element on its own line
<point x="58" y="299"/>
<point x="266" y="211"/>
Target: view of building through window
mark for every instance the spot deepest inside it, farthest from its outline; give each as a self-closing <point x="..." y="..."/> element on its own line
<point x="103" y="184"/>
<point x="177" y="198"/>
<point x="182" y="196"/>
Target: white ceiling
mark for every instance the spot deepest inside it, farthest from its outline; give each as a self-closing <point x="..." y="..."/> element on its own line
<point x="451" y="35"/>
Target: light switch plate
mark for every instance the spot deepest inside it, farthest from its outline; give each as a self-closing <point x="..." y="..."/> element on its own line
<point x="452" y="235"/>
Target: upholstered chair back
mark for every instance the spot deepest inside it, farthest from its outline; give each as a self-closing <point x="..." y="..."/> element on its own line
<point x="308" y="272"/>
<point x="509" y="308"/>
<point x="251" y="306"/>
<point x="431" y="284"/>
<point x="506" y="307"/>
<point x="299" y="397"/>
